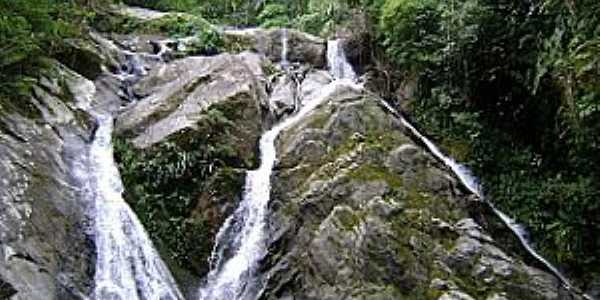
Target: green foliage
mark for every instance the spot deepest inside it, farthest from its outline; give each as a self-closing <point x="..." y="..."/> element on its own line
<point x="274" y="15"/>
<point x="513" y="86"/>
<point x="322" y="17"/>
<point x="232" y="12"/>
<point x="411" y="30"/>
<point x="165" y="5"/>
<point x="165" y="182"/>
<point x="31" y="31"/>
<point x="207" y="40"/>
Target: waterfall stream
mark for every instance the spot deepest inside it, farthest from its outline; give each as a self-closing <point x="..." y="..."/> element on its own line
<point x="284" y="48"/>
<point x="467" y="178"/>
<point x="244" y="232"/>
<point x="340" y="68"/>
<point x="128" y="267"/>
<point x="337" y="62"/>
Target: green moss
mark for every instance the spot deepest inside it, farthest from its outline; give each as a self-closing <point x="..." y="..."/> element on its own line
<point x="270" y="69"/>
<point x="319" y="119"/>
<point x="457" y="149"/>
<point x="236" y="44"/>
<point x="376" y="173"/>
<point x="347" y="218"/>
<point x="291" y="209"/>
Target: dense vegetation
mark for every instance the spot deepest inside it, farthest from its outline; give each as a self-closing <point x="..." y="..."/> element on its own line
<point x="166" y="182"/>
<point x="33" y="30"/>
<point x="512" y="88"/>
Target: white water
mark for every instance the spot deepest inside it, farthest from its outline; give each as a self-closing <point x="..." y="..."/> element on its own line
<point x="472" y="184"/>
<point x="337" y="62"/>
<point x="284" y="48"/>
<point x="244" y="233"/>
<point x="127" y="266"/>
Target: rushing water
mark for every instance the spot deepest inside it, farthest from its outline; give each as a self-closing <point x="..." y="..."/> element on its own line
<point x="284" y="48"/>
<point x="337" y="62"/>
<point x="128" y="266"/>
<point x="244" y="233"/>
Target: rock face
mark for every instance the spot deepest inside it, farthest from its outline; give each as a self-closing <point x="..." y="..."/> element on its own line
<point x="177" y="95"/>
<point x="361" y="212"/>
<point x="44" y="248"/>
<point x="302" y="47"/>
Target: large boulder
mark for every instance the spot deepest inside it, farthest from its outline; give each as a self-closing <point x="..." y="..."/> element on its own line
<point x="176" y="96"/>
<point x="189" y="140"/>
<point x="359" y="211"/>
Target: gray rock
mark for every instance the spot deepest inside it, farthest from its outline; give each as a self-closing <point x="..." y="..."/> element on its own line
<point x="455" y="295"/>
<point x="374" y="217"/>
<point x="283" y="96"/>
<point x="141" y="13"/>
<point x="496" y="296"/>
<point x="313" y="82"/>
<point x="178" y="95"/>
<point x="44" y="248"/>
<point x="302" y="47"/>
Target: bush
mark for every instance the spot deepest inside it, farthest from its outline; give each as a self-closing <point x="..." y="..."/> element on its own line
<point x="163" y="185"/>
<point x="274" y="15"/>
<point x="412" y="33"/>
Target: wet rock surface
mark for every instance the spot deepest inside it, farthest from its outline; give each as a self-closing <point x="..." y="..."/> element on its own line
<point x="44" y="248"/>
<point x="361" y="212"/>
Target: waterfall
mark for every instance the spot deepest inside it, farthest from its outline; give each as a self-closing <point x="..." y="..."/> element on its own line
<point x="127" y="265"/>
<point x="284" y="48"/>
<point x="337" y="62"/>
<point x="467" y="178"/>
<point x="244" y="233"/>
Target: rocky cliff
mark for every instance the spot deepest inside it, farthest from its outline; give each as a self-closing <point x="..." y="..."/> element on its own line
<point x="45" y="248"/>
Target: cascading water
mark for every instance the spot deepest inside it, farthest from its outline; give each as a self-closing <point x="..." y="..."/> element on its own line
<point x="337" y="62"/>
<point x="128" y="266"/>
<point x="243" y="233"/>
<point x="284" y="48"/>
